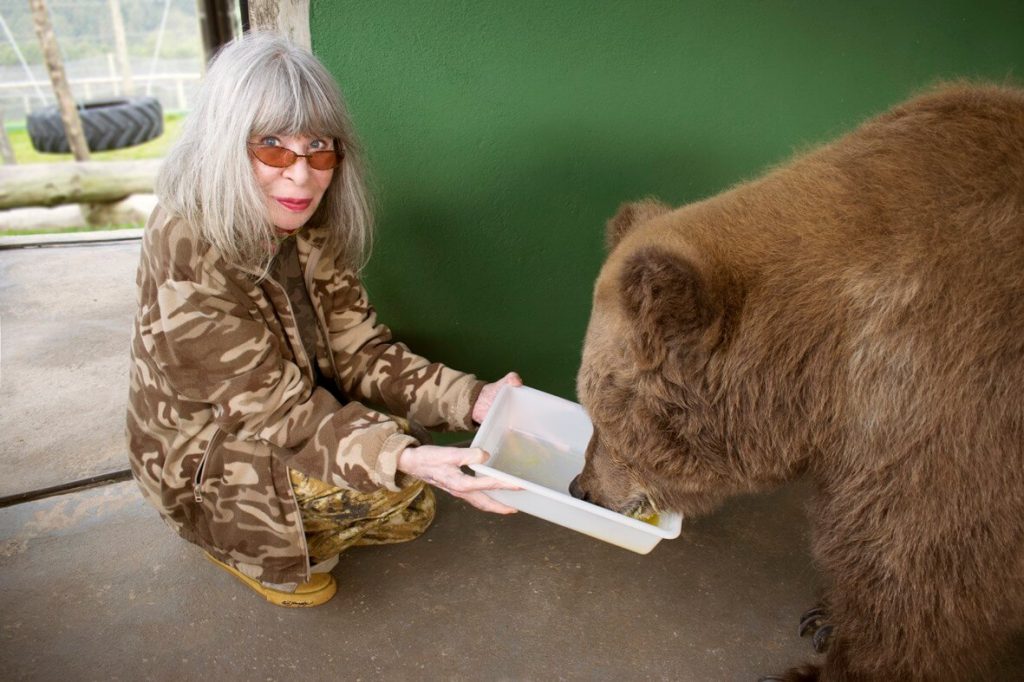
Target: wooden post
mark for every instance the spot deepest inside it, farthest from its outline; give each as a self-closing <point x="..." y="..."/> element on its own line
<point x="121" y="45"/>
<point x="112" y="68"/>
<point x="218" y="24"/>
<point x="290" y="18"/>
<point x="5" y="143"/>
<point x="61" y="88"/>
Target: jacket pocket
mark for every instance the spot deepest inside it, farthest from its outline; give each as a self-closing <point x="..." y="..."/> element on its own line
<point x="200" y="475"/>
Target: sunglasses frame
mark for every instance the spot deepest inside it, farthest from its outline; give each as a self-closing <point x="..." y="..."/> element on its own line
<point x="338" y="155"/>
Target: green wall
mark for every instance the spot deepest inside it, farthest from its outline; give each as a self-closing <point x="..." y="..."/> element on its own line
<point x="502" y="135"/>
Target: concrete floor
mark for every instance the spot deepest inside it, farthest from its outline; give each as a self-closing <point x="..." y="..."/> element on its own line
<point x="93" y="586"/>
<point x="65" y="319"/>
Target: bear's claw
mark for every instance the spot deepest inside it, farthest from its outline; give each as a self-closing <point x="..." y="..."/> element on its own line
<point x="812" y="620"/>
<point x="821" y="638"/>
<point x="814" y="623"/>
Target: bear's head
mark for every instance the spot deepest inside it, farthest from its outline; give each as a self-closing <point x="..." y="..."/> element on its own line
<point x="656" y="319"/>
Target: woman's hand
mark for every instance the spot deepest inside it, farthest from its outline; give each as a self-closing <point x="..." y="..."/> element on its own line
<point x="439" y="466"/>
<point x="489" y="393"/>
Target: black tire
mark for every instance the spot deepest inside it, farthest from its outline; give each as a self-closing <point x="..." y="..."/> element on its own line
<point x="108" y="124"/>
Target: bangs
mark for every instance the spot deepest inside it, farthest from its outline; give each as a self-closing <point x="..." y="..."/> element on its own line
<point x="297" y="100"/>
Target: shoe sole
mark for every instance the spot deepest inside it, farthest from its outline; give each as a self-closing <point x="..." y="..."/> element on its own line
<point x="278" y="597"/>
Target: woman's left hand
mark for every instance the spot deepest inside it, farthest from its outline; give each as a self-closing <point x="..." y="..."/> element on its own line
<point x="490" y="392"/>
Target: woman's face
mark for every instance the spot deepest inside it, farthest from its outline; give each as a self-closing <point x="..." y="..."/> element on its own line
<point x="292" y="193"/>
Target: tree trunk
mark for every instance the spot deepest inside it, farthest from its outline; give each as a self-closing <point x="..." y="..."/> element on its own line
<point x="61" y="88"/>
<point x="49" y="184"/>
<point x="290" y="18"/>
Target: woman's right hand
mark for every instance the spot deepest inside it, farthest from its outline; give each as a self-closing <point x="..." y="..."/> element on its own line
<point x="440" y="467"/>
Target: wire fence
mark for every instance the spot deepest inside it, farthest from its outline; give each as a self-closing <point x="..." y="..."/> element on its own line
<point x="163" y="47"/>
<point x="173" y="82"/>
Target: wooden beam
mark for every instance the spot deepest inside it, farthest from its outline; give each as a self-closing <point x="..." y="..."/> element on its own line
<point x="61" y="88"/>
<point x="50" y="184"/>
<point x="290" y="18"/>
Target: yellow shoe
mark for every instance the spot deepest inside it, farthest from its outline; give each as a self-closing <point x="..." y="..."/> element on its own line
<point x="319" y="590"/>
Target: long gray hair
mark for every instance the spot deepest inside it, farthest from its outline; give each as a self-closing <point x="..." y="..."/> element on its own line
<point x="261" y="85"/>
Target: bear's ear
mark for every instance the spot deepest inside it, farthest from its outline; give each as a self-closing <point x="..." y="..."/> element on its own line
<point x="629" y="216"/>
<point x="670" y="300"/>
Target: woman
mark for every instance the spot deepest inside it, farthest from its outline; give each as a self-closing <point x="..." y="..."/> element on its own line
<point x="256" y="356"/>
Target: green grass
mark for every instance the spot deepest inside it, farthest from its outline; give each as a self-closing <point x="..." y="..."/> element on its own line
<point x="154" y="149"/>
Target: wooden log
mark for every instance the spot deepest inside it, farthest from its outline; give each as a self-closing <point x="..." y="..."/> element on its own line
<point x="82" y="182"/>
<point x="130" y="211"/>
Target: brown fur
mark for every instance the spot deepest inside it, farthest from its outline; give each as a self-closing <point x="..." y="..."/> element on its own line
<point x="856" y="316"/>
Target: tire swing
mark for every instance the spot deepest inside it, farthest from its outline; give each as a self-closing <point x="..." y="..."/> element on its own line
<point x="107" y="124"/>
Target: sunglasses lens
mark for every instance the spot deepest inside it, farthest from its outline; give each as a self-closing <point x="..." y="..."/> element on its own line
<point x="282" y="157"/>
<point x="278" y="157"/>
<point x="325" y="160"/>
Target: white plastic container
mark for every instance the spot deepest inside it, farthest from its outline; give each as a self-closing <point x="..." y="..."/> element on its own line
<point x="537" y="441"/>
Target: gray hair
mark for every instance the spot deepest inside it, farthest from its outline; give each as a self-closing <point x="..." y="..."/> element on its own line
<point x="261" y="85"/>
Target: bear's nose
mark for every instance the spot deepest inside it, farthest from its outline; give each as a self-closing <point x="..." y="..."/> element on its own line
<point x="576" y="490"/>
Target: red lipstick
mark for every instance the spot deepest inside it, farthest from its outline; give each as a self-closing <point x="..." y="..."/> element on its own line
<point x="297" y="205"/>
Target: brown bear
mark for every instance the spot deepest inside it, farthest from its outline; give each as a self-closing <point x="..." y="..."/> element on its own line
<point x="855" y="316"/>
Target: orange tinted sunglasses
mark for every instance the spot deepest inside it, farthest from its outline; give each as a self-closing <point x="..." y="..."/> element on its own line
<point x="282" y="157"/>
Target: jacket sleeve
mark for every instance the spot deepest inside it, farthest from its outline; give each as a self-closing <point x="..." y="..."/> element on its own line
<point x="378" y="370"/>
<point x="213" y="349"/>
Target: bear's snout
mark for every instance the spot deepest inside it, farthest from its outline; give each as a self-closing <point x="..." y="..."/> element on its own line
<point x="577" y="491"/>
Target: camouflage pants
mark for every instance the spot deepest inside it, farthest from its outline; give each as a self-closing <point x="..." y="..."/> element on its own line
<point x="336" y="519"/>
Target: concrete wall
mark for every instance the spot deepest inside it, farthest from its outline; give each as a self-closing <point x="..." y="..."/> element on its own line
<point x="502" y="135"/>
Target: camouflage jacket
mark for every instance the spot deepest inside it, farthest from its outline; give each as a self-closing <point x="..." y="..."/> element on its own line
<point x="223" y="398"/>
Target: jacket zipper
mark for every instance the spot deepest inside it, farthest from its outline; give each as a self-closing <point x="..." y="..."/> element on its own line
<point x="307" y="276"/>
<point x="312" y="377"/>
<point x="311" y="372"/>
<point x="200" y="475"/>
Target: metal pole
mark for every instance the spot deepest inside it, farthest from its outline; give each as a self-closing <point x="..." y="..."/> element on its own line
<point x="24" y="64"/>
<point x="121" y="45"/>
<point x="159" y="43"/>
